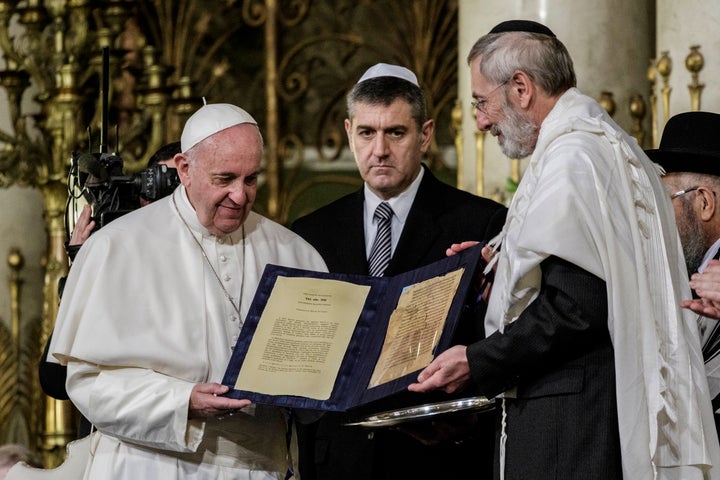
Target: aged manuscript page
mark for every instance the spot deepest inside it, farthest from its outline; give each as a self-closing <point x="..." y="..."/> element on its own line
<point x="302" y="337"/>
<point x="415" y="327"/>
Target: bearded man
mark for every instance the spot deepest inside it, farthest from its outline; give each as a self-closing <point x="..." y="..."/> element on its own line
<point x="598" y="368"/>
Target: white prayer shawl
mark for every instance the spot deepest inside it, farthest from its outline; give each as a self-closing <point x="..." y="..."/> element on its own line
<point x="143" y="319"/>
<point x="591" y="196"/>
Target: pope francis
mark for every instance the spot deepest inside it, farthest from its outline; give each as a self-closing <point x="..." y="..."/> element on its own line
<point x="153" y="306"/>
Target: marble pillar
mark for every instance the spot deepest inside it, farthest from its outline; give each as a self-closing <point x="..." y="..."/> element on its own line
<point x="611" y="42"/>
<point x="21" y="227"/>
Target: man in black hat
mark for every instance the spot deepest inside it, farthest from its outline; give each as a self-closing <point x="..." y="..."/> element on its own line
<point x="689" y="152"/>
<point x="691" y="145"/>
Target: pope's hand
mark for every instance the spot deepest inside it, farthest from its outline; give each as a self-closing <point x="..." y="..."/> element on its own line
<point x="205" y="401"/>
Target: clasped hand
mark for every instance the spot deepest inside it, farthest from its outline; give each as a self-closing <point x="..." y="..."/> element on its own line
<point x="707" y="286"/>
<point x="450" y="370"/>
<point x="483" y="282"/>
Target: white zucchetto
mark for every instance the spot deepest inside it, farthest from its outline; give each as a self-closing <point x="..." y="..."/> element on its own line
<point x="209" y="120"/>
<point x="387" y="70"/>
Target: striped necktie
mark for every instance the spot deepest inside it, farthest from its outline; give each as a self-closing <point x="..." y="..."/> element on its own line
<point x="382" y="246"/>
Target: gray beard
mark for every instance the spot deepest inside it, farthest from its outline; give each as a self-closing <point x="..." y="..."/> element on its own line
<point x="694" y="252"/>
<point x="519" y="133"/>
<point x="692" y="237"/>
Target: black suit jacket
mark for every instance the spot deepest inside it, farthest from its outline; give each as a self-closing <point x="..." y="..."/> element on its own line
<point x="558" y="355"/>
<point x="440" y="216"/>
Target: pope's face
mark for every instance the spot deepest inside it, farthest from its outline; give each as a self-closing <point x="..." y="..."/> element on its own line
<point x="221" y="177"/>
<point x="388" y="146"/>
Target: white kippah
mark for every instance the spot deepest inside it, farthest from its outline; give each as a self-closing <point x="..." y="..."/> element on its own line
<point x="209" y="120"/>
<point x="387" y="70"/>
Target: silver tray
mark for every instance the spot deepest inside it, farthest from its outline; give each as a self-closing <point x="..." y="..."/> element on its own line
<point x="424" y="412"/>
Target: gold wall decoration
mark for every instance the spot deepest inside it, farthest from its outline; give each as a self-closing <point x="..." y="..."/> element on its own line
<point x="637" y="113"/>
<point x="607" y="100"/>
<point x="694" y="62"/>
<point x="664" y="68"/>
<point x="652" y="78"/>
<point x="53" y="49"/>
<point x="320" y="50"/>
<point x="480" y="162"/>
<point x="289" y="62"/>
<point x="271" y="16"/>
<point x="18" y="364"/>
<point x="515" y="173"/>
<point x="456" y="125"/>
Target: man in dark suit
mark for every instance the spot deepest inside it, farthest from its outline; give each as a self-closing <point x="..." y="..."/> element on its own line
<point x="598" y="369"/>
<point x="689" y="152"/>
<point x="388" y="132"/>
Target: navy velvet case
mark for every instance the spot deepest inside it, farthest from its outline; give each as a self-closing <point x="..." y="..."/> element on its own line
<point x="350" y="388"/>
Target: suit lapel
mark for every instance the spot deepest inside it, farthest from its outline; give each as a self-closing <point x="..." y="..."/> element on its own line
<point x="352" y="236"/>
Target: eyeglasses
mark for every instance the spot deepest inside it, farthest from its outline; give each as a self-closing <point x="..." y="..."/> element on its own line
<point x="480" y="104"/>
<point x="683" y="192"/>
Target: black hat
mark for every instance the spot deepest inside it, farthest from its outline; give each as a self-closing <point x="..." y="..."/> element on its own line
<point x="522" y="26"/>
<point x="690" y="143"/>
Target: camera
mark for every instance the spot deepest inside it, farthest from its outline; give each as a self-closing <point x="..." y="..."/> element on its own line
<point x="112" y="194"/>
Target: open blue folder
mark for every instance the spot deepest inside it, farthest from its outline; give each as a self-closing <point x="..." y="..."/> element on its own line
<point x="350" y="388"/>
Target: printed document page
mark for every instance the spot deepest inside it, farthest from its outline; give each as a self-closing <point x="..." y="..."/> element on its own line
<point x="302" y="337"/>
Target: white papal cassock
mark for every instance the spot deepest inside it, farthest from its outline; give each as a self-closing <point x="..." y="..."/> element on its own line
<point x="144" y="318"/>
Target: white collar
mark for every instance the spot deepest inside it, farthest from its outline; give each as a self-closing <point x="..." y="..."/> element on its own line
<point x="401" y="203"/>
